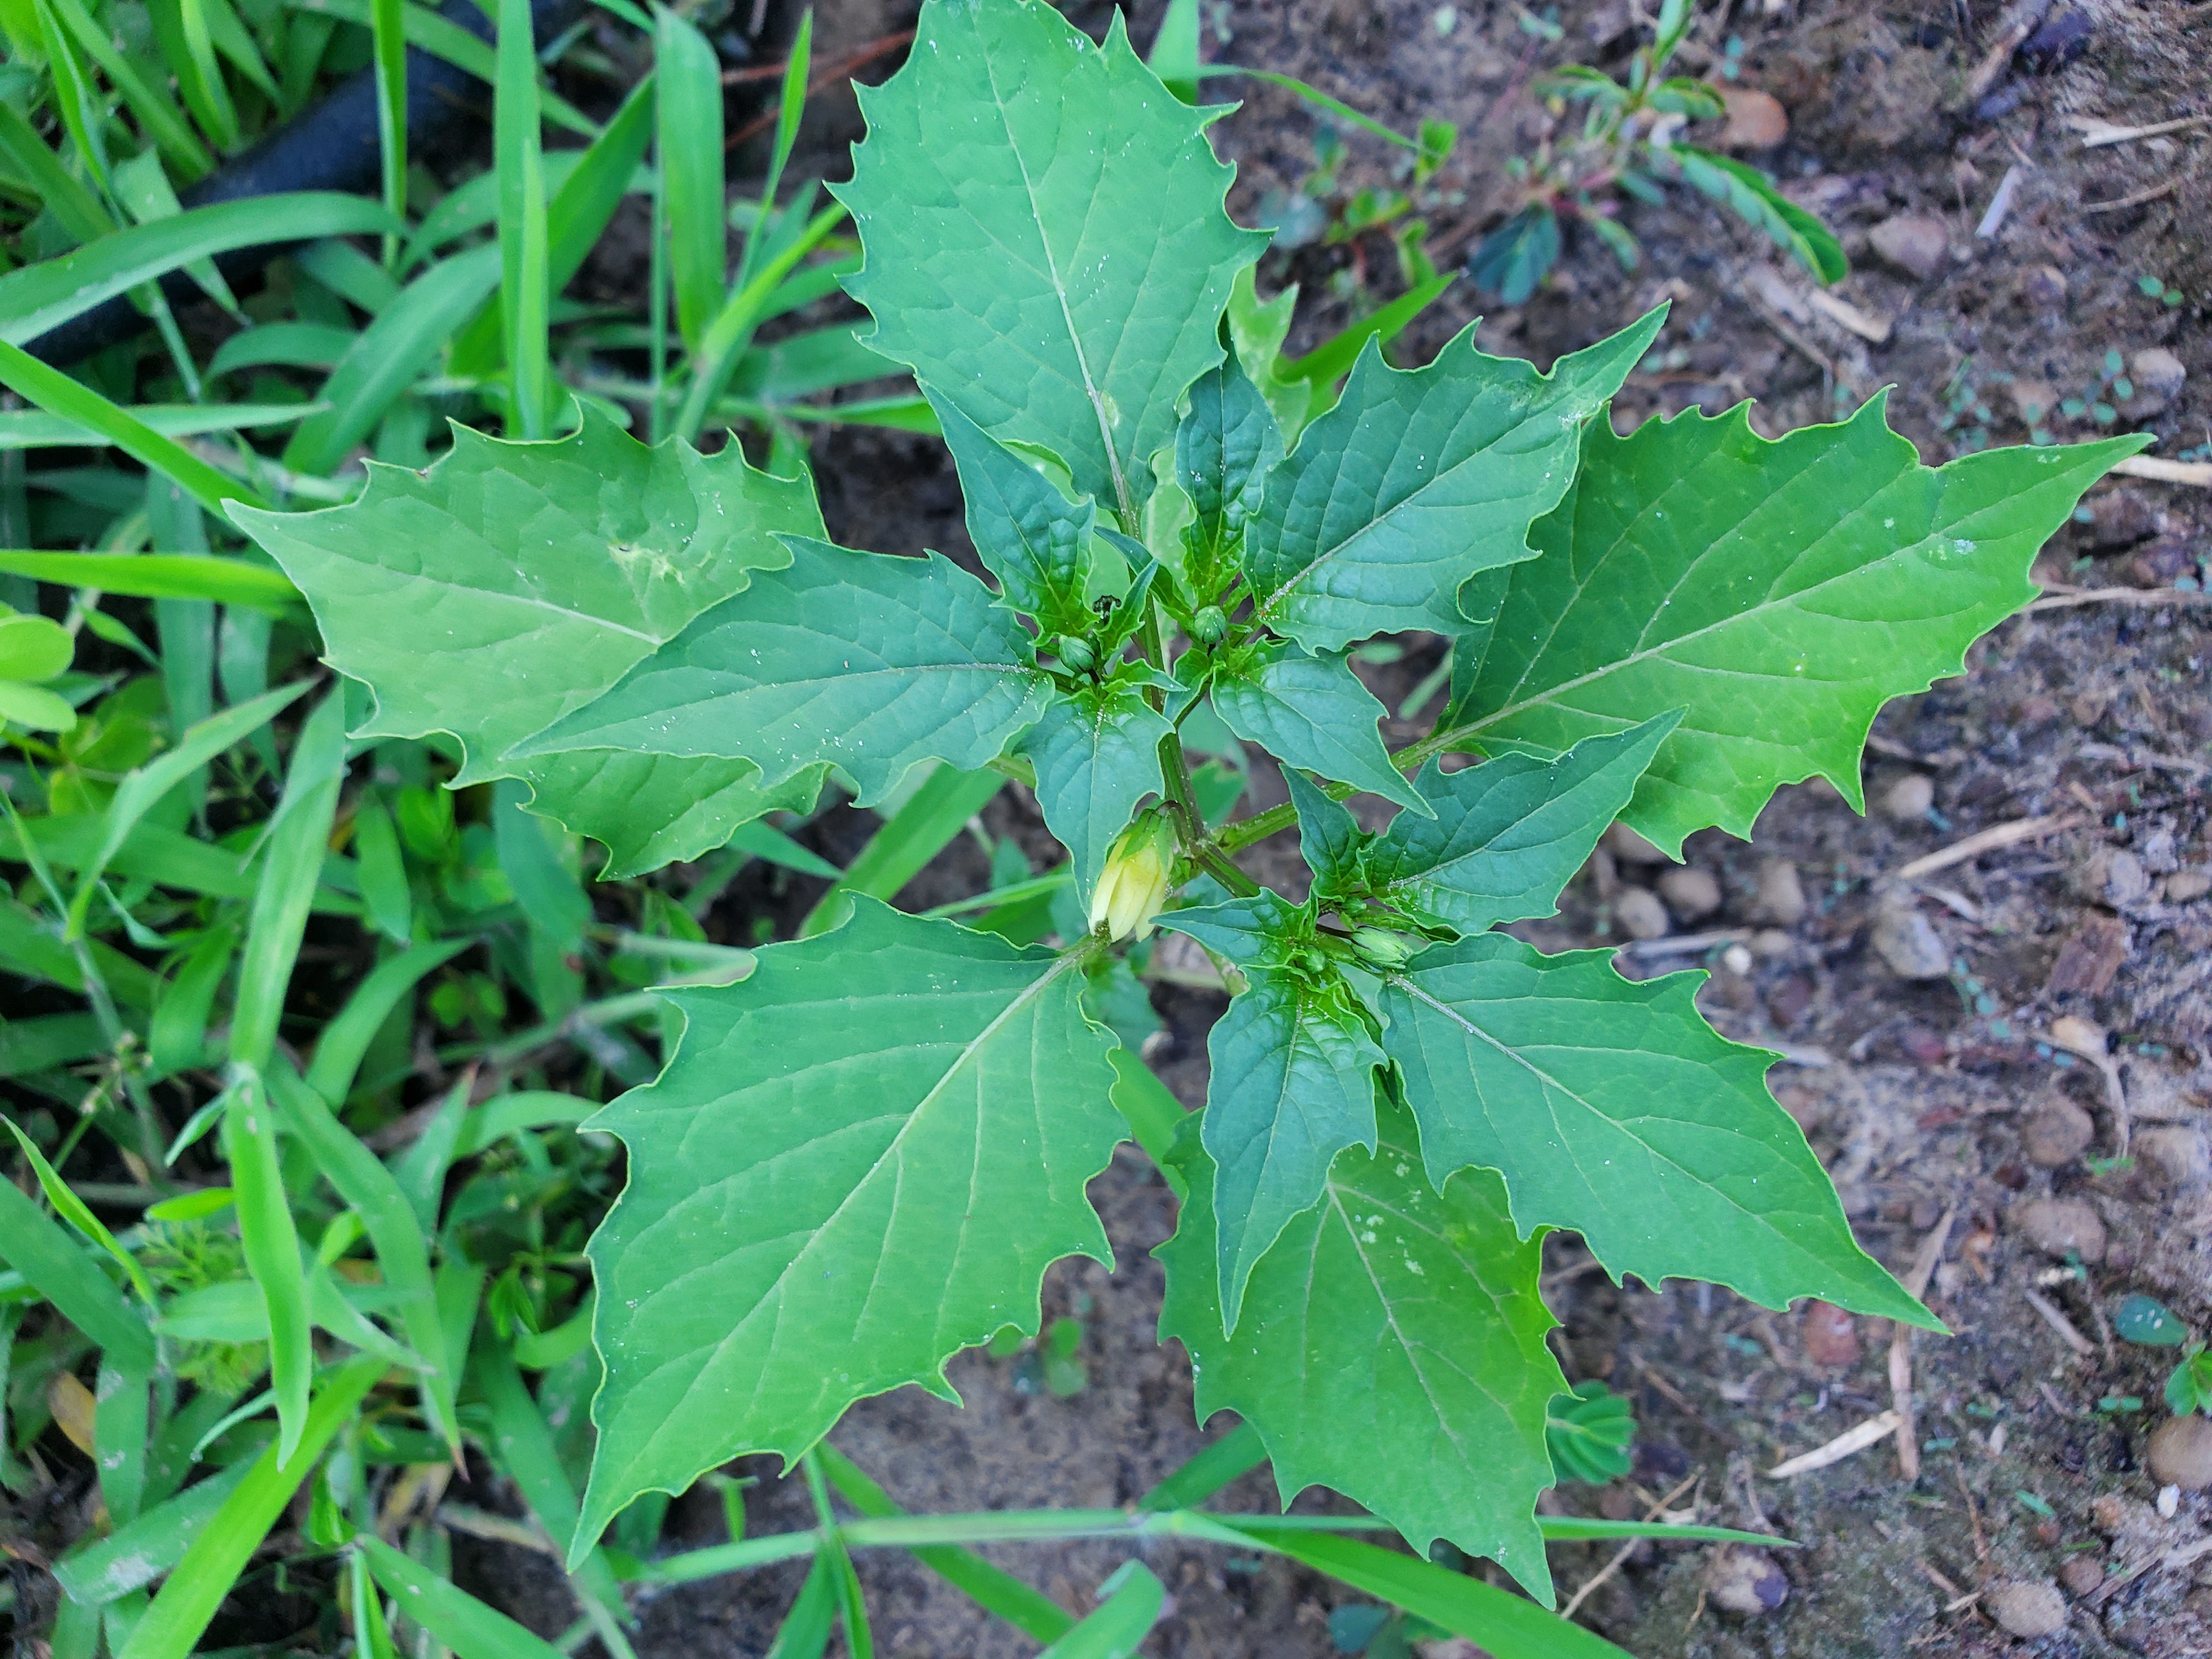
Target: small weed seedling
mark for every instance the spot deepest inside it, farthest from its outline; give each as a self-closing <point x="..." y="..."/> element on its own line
<point x="1628" y="145"/>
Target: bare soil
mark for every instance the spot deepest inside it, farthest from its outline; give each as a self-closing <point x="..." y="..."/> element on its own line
<point x="2094" y="716"/>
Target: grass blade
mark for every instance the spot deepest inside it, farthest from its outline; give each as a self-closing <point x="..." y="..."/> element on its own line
<point x="587" y="198"/>
<point x="726" y="338"/>
<point x="140" y="789"/>
<point x="157" y="113"/>
<point x="298" y="838"/>
<point x="1574" y="1529"/>
<point x="185" y="1004"/>
<point x="272" y="1251"/>
<point x="1332" y="361"/>
<point x="442" y="37"/>
<point x="451" y="1615"/>
<point x="46" y="295"/>
<point x="790" y="107"/>
<point x="525" y="294"/>
<point x="160" y="576"/>
<point x="1135" y="1598"/>
<point x="345" y="1040"/>
<point x="134" y="1556"/>
<point x="1236" y="1455"/>
<point x="388" y="53"/>
<point x="27" y="429"/>
<point x="389" y="354"/>
<point x="1173" y="55"/>
<point x="119" y="1423"/>
<point x="996" y="1591"/>
<point x="57" y="1267"/>
<point x="690" y="151"/>
<point x="381" y="870"/>
<point x="525" y="1450"/>
<point x="58" y="394"/>
<point x="74" y="1210"/>
<point x="181" y="1612"/>
<point x="1498" y="1621"/>
<point x="914" y="835"/>
<point x="361" y="1178"/>
<point x="804" y="1633"/>
<point x="83" y="214"/>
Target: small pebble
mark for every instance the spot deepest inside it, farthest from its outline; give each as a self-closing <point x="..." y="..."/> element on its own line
<point x="1625" y="844"/>
<point x="1831" y="1335"/>
<point x="2056" y="1133"/>
<point x="2177" y="1153"/>
<point x="2158" y="375"/>
<point x="1736" y="959"/>
<point x="1640" y="914"/>
<point x="1908" y="800"/>
<point x="1756" y="119"/>
<point x="2046" y="287"/>
<point x="2187" y="886"/>
<point x="2180" y="1453"/>
<point x="1745" y="1582"/>
<point x="2081" y="1574"/>
<point x="1772" y="944"/>
<point x="2061" y="1226"/>
<point x="2169" y="1502"/>
<point x="1781" y="898"/>
<point x="2079" y="1035"/>
<point x="1690" y="893"/>
<point x="2026" y="1607"/>
<point x="1909" y="942"/>
<point x="2126" y="881"/>
<point x="1917" y="243"/>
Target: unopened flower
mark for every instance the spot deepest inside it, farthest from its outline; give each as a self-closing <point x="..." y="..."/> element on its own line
<point x="1135" y="885"/>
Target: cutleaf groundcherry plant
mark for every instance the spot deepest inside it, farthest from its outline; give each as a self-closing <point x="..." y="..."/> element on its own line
<point x="860" y="1159"/>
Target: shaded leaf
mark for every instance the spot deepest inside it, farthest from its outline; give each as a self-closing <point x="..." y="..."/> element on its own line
<point x="1225" y="449"/>
<point x="1031" y="537"/>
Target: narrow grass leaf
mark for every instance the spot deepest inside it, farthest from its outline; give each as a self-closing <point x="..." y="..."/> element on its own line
<point x="298" y="840"/>
<point x="81" y="213"/>
<point x="586" y="202"/>
<point x="1231" y="1458"/>
<point x="140" y="789"/>
<point x="120" y="1421"/>
<point x="183" y="1009"/>
<point x="344" y="1041"/>
<point x="58" y="394"/>
<point x="272" y="1252"/>
<point x="57" y="1267"/>
<point x="448" y="1612"/>
<point x="996" y="1590"/>
<point x="47" y="294"/>
<point x="135" y="1555"/>
<point x="380" y="868"/>
<point x="921" y="828"/>
<point x="525" y="295"/>
<point x="160" y="576"/>
<point x="525" y="1447"/>
<point x="75" y="1210"/>
<point x="388" y="54"/>
<point x="157" y="113"/>
<point x="394" y="1230"/>
<point x="31" y="428"/>
<point x="182" y="1611"/>
<point x="690" y="155"/>
<point x="1134" y="1599"/>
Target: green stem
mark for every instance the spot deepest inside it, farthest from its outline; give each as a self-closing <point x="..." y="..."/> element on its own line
<point x="1218" y="864"/>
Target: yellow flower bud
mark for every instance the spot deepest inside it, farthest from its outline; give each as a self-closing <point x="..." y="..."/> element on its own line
<point x="1134" y="886"/>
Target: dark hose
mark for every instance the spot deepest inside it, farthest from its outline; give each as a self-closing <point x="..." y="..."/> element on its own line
<point x="331" y="146"/>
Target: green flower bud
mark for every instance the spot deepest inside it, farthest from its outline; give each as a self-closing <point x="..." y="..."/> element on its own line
<point x="1384" y="949"/>
<point x="1209" y="625"/>
<point x="1075" y="653"/>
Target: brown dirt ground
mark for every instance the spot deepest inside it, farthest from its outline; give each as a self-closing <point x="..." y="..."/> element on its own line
<point x="1915" y="1093"/>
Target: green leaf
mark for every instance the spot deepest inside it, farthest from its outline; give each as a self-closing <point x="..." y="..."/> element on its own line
<point x="1257" y="332"/>
<point x="1777" y="593"/>
<point x="159" y="576"/>
<point x="1031" y="537"/>
<point x="863" y="659"/>
<point x="1225" y="449"/>
<point x="1417" y="480"/>
<point x="1330" y="839"/>
<point x="459" y="1621"/>
<point x="44" y="295"/>
<point x="1292" y="1084"/>
<point x="556" y="566"/>
<point x="1508" y="834"/>
<point x="1752" y="197"/>
<point x="1132" y="1600"/>
<point x="652" y="810"/>
<point x="272" y="1251"/>
<point x="1096" y="752"/>
<point x="690" y="132"/>
<point x="1015" y="195"/>
<point x="943" y="805"/>
<point x="1610" y="1108"/>
<point x="898" y="1096"/>
<point x="1402" y="1361"/>
<point x="1590" y="1432"/>
<point x="1312" y="712"/>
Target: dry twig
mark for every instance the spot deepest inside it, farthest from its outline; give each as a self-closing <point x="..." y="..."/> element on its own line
<point x="1848" y="1443"/>
<point x="1657" y="1507"/>
<point x="1988" y="841"/>
<point x="2054" y="1316"/>
<point x="1916" y="1278"/>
